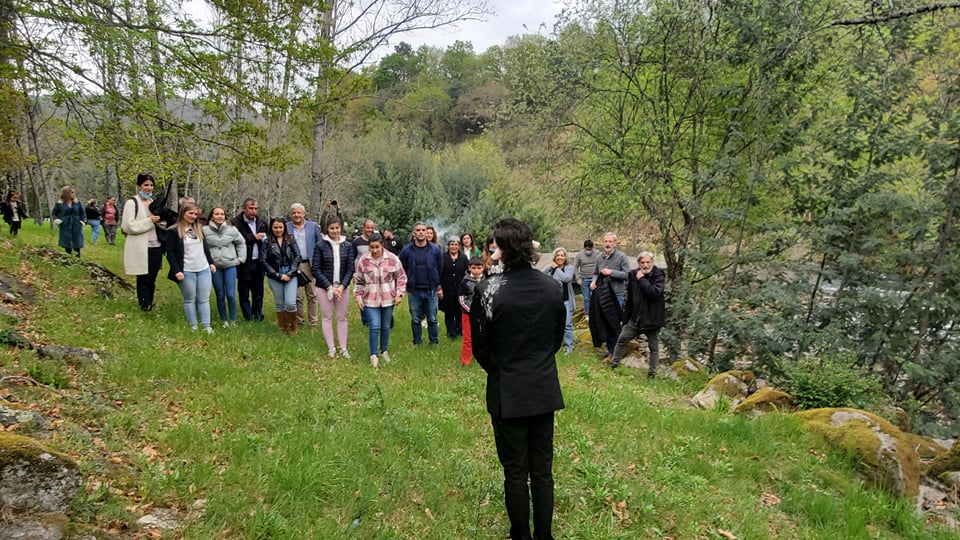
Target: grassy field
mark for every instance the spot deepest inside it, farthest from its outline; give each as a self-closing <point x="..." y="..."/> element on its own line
<point x="252" y="434"/>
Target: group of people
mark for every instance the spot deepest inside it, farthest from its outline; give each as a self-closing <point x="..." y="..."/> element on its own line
<point x="513" y="318"/>
<point x="70" y="216"/>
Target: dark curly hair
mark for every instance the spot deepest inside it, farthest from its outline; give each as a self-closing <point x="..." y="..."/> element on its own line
<point x="515" y="241"/>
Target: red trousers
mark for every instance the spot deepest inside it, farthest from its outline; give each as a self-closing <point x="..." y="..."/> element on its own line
<point x="466" y="349"/>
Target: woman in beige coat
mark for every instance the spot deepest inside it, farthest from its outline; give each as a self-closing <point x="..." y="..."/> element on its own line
<point x="142" y="251"/>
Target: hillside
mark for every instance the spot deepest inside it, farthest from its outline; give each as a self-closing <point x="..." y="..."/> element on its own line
<point x="252" y="434"/>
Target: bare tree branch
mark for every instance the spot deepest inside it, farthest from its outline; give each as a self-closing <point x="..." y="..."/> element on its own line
<point x="894" y="15"/>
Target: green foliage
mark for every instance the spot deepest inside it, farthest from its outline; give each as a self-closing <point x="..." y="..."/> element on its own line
<point x="832" y="381"/>
<point x="280" y="442"/>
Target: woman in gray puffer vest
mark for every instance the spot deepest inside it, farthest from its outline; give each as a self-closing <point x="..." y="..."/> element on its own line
<point x="228" y="250"/>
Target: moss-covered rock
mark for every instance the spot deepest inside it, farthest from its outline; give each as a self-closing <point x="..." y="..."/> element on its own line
<point x="884" y="452"/>
<point x="33" y="477"/>
<point x="764" y="400"/>
<point x="687" y="366"/>
<point x="26" y="418"/>
<point x="736" y="385"/>
<point x="946" y="462"/>
<point x="928" y="448"/>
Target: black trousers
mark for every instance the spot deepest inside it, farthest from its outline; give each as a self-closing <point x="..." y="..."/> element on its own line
<point x="453" y="320"/>
<point x="525" y="449"/>
<point x="147" y="283"/>
<point x="250" y="290"/>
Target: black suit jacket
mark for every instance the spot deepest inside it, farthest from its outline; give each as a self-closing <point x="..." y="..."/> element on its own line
<point x="517" y="320"/>
<point x="250" y="266"/>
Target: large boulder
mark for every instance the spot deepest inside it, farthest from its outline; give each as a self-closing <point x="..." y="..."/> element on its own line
<point x="33" y="478"/>
<point x="735" y="385"/>
<point x="884" y="452"/>
<point x="763" y="401"/>
<point x="946" y="462"/>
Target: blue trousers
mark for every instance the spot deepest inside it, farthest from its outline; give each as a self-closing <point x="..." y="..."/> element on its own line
<point x="378" y="327"/>
<point x="423" y="304"/>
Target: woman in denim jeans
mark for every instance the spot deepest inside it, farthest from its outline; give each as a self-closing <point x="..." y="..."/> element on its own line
<point x="281" y="259"/>
<point x="379" y="285"/>
<point x="229" y="251"/>
<point x="191" y="265"/>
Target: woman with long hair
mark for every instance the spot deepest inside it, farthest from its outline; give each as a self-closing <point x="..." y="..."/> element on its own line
<point x="469" y="246"/>
<point x="69" y="214"/>
<point x="229" y="250"/>
<point x="14" y="211"/>
<point x="333" y="265"/>
<point x="432" y="235"/>
<point x="379" y="285"/>
<point x="191" y="266"/>
<point x="281" y="260"/>
<point x="562" y="271"/>
<point x="94" y="215"/>
<point x="143" y="249"/>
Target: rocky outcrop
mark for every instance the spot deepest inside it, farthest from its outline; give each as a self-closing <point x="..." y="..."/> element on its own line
<point x="33" y="478"/>
<point x="884" y="452"/>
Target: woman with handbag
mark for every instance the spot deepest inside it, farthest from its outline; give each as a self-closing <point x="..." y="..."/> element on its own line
<point x="280" y="263"/>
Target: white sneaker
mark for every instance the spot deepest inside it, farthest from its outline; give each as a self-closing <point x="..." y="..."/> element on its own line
<point x="386" y="356"/>
<point x="332" y="353"/>
<point x="194" y="328"/>
<point x="226" y="324"/>
<point x="208" y="330"/>
<point x="374" y="361"/>
<point x="344" y="353"/>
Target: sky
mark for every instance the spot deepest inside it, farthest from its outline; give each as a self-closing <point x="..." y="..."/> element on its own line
<point x="510" y="18"/>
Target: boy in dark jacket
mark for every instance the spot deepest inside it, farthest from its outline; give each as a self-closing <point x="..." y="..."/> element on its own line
<point x="467" y="286"/>
<point x="644" y="312"/>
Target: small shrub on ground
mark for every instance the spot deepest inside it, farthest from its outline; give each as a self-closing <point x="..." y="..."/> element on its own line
<point x="831" y="382"/>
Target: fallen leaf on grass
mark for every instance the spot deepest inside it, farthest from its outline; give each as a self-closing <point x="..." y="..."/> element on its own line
<point x="727" y="534"/>
<point x="769" y="499"/>
<point x="428" y="513"/>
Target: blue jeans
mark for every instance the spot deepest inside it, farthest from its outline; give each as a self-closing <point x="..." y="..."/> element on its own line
<point x="225" y="285"/>
<point x="585" y="289"/>
<point x="612" y="340"/>
<point x="568" y="328"/>
<point x="378" y="327"/>
<point x="95" y="233"/>
<point x="424" y="304"/>
<point x="195" y="289"/>
<point x="284" y="294"/>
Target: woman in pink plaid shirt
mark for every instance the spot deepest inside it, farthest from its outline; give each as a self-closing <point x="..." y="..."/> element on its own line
<point x="379" y="284"/>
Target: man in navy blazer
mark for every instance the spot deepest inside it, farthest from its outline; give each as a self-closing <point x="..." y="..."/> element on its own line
<point x="306" y="234"/>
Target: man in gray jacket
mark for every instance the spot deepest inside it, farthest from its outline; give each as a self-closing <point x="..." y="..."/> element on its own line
<point x="614" y="265"/>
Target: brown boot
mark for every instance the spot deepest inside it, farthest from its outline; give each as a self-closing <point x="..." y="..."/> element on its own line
<point x="294" y="323"/>
<point x="282" y="321"/>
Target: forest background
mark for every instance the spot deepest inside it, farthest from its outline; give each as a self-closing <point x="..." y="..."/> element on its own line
<point x="794" y="164"/>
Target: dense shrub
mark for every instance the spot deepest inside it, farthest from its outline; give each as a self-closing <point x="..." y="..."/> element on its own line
<point x="831" y="382"/>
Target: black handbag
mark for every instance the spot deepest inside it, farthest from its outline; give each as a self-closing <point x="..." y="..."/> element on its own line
<point x="302" y="279"/>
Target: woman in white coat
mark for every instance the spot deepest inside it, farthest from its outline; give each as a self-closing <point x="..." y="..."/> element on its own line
<point x="143" y="250"/>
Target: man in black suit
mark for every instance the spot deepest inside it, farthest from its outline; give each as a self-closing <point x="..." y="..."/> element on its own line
<point x="517" y="319"/>
<point x="250" y="273"/>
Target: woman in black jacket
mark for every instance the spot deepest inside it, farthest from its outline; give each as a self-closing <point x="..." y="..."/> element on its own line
<point x="454" y="268"/>
<point x="191" y="266"/>
<point x="280" y="261"/>
<point x="14" y="212"/>
<point x="333" y="266"/>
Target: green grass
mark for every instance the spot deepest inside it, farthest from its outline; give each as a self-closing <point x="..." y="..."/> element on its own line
<point x="282" y="442"/>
